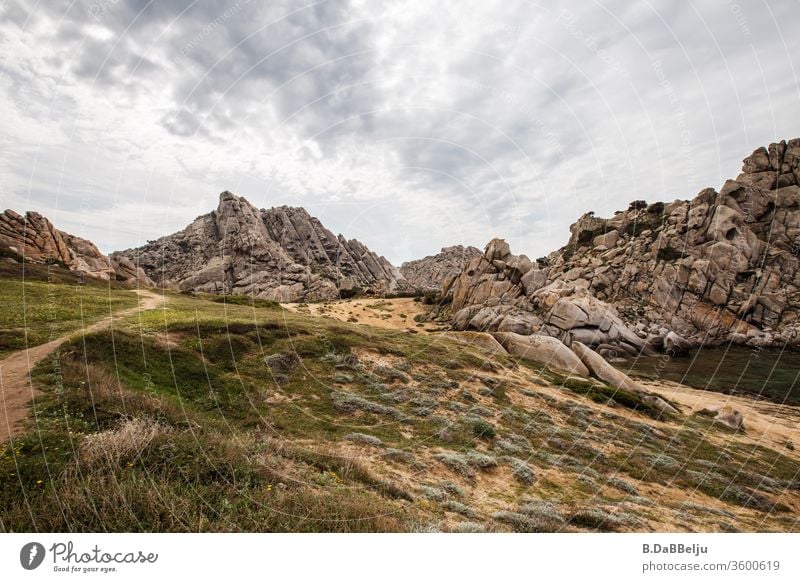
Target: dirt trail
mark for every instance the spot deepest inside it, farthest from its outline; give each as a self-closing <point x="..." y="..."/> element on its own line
<point x="16" y="388"/>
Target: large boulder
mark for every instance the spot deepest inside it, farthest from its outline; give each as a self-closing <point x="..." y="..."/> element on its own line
<point x="543" y="349"/>
<point x="605" y="371"/>
<point x="608" y="373"/>
<point x="726" y="415"/>
<point x="676" y="345"/>
<point x="483" y="341"/>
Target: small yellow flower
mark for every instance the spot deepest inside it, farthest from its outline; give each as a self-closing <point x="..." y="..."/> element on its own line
<point x="39" y="482"/>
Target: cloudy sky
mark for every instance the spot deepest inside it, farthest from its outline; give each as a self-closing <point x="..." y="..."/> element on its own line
<point x="409" y="125"/>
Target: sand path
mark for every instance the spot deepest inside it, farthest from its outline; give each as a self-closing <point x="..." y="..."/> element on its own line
<point x="384" y="313"/>
<point x="16" y="388"/>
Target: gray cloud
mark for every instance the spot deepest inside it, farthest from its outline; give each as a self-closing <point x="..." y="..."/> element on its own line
<point x="406" y="125"/>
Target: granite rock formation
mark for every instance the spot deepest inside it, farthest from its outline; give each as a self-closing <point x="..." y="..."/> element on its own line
<point x="34" y="239"/>
<point x="722" y="267"/>
<point x="429" y="274"/>
<point x="283" y="254"/>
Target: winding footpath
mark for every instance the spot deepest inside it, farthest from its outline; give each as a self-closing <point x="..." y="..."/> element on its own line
<point x="16" y="388"/>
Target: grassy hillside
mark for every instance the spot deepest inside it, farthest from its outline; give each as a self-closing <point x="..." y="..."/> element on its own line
<point x="41" y="303"/>
<point x="210" y="416"/>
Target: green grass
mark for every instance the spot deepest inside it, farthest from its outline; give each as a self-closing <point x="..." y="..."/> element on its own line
<point x="247" y="300"/>
<point x="36" y="311"/>
<point x="347" y="436"/>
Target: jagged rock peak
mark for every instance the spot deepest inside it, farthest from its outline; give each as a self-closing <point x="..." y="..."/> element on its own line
<point x="281" y="253"/>
<point x="430" y="273"/>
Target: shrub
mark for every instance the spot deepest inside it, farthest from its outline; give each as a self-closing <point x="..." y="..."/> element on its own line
<point x="458" y="507"/>
<point x="282" y="363"/>
<point x="481" y="460"/>
<point x="451" y="488"/>
<point x="513" y="444"/>
<point x="391" y="374"/>
<point x="483" y="429"/>
<point x="338" y="360"/>
<point x="525" y="523"/>
<point x="349" y="402"/>
<point x="543" y="510"/>
<point x="521" y="471"/>
<point x="365" y="439"/>
<point x="623" y="485"/>
<point x="400" y="456"/>
<point x="455" y="462"/>
<point x="664" y="462"/>
<point x="431" y="493"/>
<point x="600" y="519"/>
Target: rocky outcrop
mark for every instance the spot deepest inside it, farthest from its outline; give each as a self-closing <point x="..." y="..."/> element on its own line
<point x="34" y="239"/>
<point x="502" y="292"/>
<point x="429" y="274"/>
<point x="722" y="267"/>
<point x="125" y="270"/>
<point x="282" y="254"/>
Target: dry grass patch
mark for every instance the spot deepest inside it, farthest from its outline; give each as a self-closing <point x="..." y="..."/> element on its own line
<point x="123" y="443"/>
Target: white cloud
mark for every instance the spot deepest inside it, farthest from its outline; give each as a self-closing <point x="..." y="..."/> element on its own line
<point x="407" y="125"/>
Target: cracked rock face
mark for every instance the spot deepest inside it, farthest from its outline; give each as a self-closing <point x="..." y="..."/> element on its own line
<point x="720" y="268"/>
<point x="430" y="273"/>
<point x="34" y="238"/>
<point x="282" y="254"/>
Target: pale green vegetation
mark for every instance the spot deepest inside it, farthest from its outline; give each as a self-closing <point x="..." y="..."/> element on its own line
<point x="242" y="416"/>
<point x="49" y="303"/>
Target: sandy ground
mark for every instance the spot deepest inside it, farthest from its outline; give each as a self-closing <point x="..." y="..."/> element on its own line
<point x="766" y="423"/>
<point x="384" y="313"/>
<point x="16" y="388"/>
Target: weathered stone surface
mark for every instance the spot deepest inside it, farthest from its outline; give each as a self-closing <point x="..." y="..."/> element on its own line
<point x="726" y="415"/>
<point x="605" y="371"/>
<point x="34" y="238"/>
<point x="485" y="297"/>
<point x="542" y="349"/>
<point x="483" y="341"/>
<point x="608" y="373"/>
<point x="723" y="267"/>
<point x="282" y="254"/>
<point x="429" y="274"/>
<point x="675" y="344"/>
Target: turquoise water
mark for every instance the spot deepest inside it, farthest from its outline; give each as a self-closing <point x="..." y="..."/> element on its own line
<point x="770" y="374"/>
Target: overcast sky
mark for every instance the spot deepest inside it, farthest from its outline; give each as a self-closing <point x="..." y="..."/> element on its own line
<point x="409" y="125"/>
